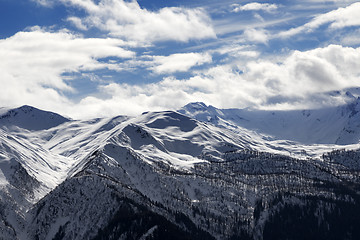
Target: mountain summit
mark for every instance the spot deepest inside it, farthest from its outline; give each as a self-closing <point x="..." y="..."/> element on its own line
<point x="30" y="118"/>
<point x="335" y="125"/>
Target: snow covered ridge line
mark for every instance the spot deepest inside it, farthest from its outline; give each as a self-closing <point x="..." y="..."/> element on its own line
<point x="187" y="175"/>
<point x="333" y="125"/>
<point x="30" y="118"/>
<point x="118" y="193"/>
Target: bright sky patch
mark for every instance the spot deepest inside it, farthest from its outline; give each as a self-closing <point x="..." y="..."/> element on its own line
<point x="91" y="58"/>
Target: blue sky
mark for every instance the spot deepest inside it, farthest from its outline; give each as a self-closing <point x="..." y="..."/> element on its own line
<point x="92" y="58"/>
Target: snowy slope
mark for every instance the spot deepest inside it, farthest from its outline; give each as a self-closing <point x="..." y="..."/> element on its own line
<point x="161" y="164"/>
<point x="58" y="150"/>
<point x="336" y="125"/>
<point x="30" y="118"/>
<point x="207" y="167"/>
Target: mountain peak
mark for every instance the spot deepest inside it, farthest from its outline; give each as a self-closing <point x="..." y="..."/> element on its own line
<point x="195" y="106"/>
<point x="329" y="125"/>
<point x="30" y="118"/>
<point x="26" y="108"/>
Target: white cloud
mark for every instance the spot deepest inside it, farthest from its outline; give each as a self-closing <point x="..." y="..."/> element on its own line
<point x="180" y="62"/>
<point x="301" y="80"/>
<point x="352" y="38"/>
<point x="339" y="18"/>
<point x="32" y="64"/>
<point x="256" y="35"/>
<point x="77" y="23"/>
<point x="45" y="3"/>
<point x="127" y="20"/>
<point x="304" y="76"/>
<point x="237" y="51"/>
<point x="255" y="6"/>
<point x="331" y="1"/>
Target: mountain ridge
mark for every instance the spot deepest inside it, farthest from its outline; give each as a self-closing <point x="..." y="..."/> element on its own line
<point x="30" y="118"/>
<point x="199" y="179"/>
<point x="335" y="125"/>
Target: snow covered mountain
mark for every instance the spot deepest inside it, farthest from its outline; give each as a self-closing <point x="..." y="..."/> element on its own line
<point x="336" y="125"/>
<point x="30" y="118"/>
<point x="219" y="174"/>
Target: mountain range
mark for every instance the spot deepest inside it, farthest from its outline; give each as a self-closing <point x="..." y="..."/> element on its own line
<point x="196" y="173"/>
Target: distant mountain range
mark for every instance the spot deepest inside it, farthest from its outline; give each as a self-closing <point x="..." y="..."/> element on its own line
<point x="196" y="173"/>
<point x="335" y="125"/>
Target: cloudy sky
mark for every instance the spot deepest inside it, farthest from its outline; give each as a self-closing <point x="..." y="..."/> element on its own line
<point x="94" y="58"/>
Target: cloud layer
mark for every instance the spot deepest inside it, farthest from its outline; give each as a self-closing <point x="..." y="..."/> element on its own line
<point x="127" y="20"/>
<point x="33" y="63"/>
<point x="339" y="18"/>
<point x="255" y="6"/>
<point x="301" y="80"/>
<point x="179" y="62"/>
<point x="250" y="63"/>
